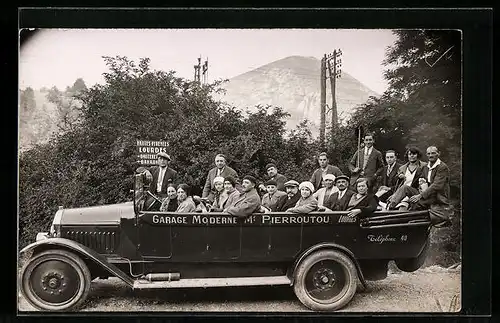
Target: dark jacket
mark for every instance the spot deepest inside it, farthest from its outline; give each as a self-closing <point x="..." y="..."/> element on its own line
<point x="170" y="177"/>
<point x="391" y="179"/>
<point x="228" y="171"/>
<point x="317" y="176"/>
<point x="334" y="204"/>
<point x="284" y="203"/>
<point x="418" y="173"/>
<point x="367" y="205"/>
<point x="439" y="186"/>
<point x="373" y="167"/>
<point x="246" y="204"/>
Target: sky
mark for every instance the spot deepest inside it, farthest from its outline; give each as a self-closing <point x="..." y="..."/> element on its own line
<point x="58" y="57"/>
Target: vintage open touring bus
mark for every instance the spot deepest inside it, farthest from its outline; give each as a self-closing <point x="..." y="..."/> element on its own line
<point x="323" y="256"/>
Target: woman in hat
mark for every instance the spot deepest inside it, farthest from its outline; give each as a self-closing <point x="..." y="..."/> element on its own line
<point x="217" y="194"/>
<point x="170" y="203"/>
<point x="307" y="202"/>
<point x="362" y="203"/>
<point x="186" y="203"/>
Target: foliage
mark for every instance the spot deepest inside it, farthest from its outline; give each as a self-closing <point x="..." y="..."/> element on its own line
<point x="92" y="162"/>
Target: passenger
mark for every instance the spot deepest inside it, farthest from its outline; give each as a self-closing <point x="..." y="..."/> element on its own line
<point x="389" y="176"/>
<point x="170" y="204"/>
<point x="362" y="203"/>
<point x="324" y="168"/>
<point x="248" y="201"/>
<point x="436" y="195"/>
<point x="231" y="192"/>
<point x="186" y="203"/>
<point x="292" y="197"/>
<point x="338" y="201"/>
<point x="272" y="196"/>
<point x="220" y="169"/>
<point x="307" y="202"/>
<point x="159" y="177"/>
<point x="408" y="174"/>
<point x="367" y="163"/>
<point x="272" y="173"/>
<point x="324" y="193"/>
<point x="216" y="194"/>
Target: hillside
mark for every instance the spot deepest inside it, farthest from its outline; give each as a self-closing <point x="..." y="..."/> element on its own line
<point x="293" y="83"/>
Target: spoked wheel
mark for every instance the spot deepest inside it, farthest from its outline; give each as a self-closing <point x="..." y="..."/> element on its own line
<point x="326" y="280"/>
<point x="55" y="280"/>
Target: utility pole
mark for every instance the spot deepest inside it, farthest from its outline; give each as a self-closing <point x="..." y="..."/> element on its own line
<point x="197" y="70"/>
<point x="205" y="71"/>
<point x="334" y="73"/>
<point x="322" y="125"/>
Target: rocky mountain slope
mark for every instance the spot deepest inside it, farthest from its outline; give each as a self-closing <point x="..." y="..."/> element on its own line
<point x="293" y="83"/>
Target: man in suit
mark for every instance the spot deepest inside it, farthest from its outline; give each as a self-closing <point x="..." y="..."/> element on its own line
<point x="366" y="162"/>
<point x="220" y="170"/>
<point x="339" y="201"/>
<point x="272" y="196"/>
<point x="273" y="175"/>
<point x="408" y="175"/>
<point x="159" y="177"/>
<point x="249" y="200"/>
<point x="436" y="196"/>
<point x="388" y="178"/>
<point x="324" y="169"/>
<point x="290" y="199"/>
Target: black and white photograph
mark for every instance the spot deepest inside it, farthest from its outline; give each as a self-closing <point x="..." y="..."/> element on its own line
<point x="240" y="170"/>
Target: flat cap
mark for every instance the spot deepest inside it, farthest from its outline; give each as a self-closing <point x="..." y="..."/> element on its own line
<point x="271" y="182"/>
<point x="292" y="183"/>
<point x="270" y="165"/>
<point x="164" y="155"/>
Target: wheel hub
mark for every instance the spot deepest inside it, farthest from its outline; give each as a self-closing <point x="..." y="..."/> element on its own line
<point x="53" y="283"/>
<point x="324" y="278"/>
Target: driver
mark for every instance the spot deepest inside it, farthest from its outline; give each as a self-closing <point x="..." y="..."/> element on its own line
<point x="159" y="176"/>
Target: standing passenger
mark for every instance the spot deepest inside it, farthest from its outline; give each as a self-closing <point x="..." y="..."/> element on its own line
<point x="220" y="169"/>
<point x="324" y="168"/>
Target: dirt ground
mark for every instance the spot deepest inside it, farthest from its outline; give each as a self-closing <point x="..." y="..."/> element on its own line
<point x="430" y="289"/>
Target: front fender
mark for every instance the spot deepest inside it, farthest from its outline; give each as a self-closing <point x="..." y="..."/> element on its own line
<point x="328" y="245"/>
<point x="81" y="250"/>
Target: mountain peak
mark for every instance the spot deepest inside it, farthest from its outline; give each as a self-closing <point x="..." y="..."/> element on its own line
<point x="293" y="83"/>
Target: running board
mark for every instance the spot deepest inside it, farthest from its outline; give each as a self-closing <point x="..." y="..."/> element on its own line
<point x="213" y="282"/>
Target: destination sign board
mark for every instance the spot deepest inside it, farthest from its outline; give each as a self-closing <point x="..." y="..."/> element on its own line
<point x="147" y="150"/>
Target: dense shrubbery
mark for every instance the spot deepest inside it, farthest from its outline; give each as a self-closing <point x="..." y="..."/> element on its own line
<point x="92" y="163"/>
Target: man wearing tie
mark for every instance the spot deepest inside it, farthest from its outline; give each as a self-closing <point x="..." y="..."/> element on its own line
<point x="370" y="163"/>
<point x="220" y="170"/>
<point x="159" y="176"/>
<point x="338" y="201"/>
<point x="389" y="176"/>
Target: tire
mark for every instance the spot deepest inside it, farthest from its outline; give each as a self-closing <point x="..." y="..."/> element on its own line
<point x="412" y="264"/>
<point x="55" y="280"/>
<point x="326" y="280"/>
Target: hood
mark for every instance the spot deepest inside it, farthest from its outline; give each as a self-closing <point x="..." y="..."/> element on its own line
<point x="103" y="214"/>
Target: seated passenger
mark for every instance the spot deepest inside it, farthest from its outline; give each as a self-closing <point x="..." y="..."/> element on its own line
<point x="186" y="203"/>
<point x="324" y="193"/>
<point x="248" y="201"/>
<point x="307" y="202"/>
<point x="216" y="193"/>
<point x="270" y="199"/>
<point x="338" y="201"/>
<point x="362" y="203"/>
<point x="170" y="203"/>
<point x="290" y="199"/>
<point x="230" y="195"/>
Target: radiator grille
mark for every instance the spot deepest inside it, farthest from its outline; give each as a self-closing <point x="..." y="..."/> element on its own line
<point x="100" y="241"/>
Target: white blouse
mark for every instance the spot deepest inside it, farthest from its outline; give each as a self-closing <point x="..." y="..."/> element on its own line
<point x="409" y="176"/>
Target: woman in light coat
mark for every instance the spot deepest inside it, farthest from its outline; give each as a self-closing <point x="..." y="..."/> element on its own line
<point x="307" y="202"/>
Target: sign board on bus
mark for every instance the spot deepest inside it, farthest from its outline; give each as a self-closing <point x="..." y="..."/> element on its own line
<point x="147" y="150"/>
